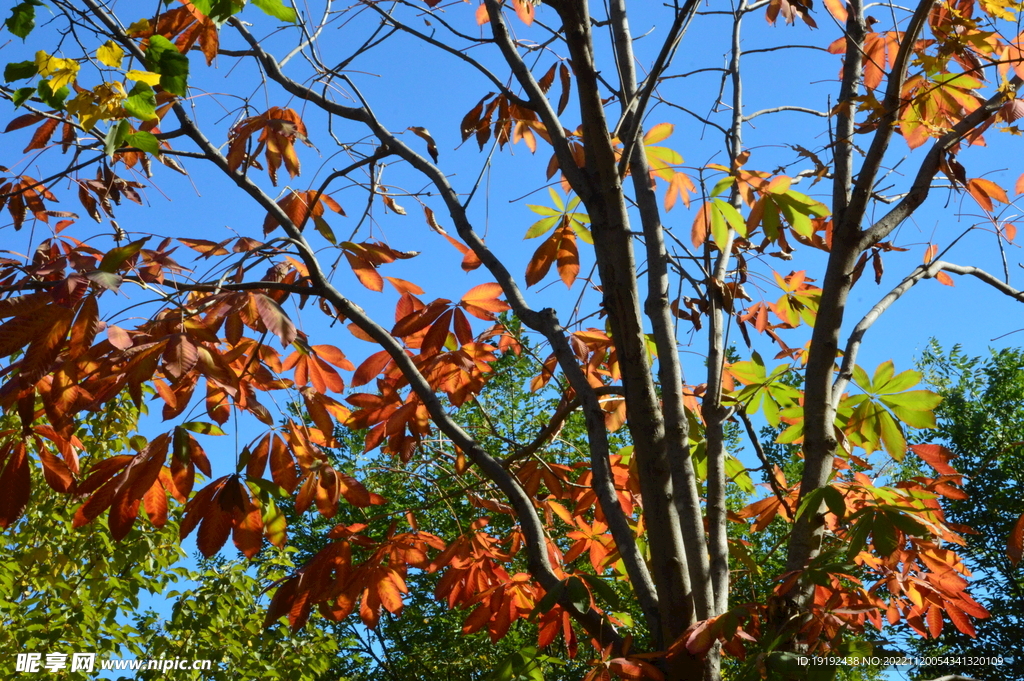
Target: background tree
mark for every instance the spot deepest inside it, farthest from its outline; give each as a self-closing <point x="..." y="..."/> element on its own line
<point x="980" y="419"/>
<point x="65" y="589"/>
<point x="117" y="88"/>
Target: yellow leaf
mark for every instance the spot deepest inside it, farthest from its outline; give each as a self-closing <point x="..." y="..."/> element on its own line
<point x="146" y="77"/>
<point x="59" y="71"/>
<point x="111" y="54"/>
<point x="658" y="133"/>
<point x="140" y="26"/>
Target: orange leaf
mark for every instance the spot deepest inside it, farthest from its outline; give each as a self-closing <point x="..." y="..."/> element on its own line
<point x="937" y="457"/>
<point x="365" y="272"/>
<point x="1015" y="546"/>
<point x="701" y="225"/>
<point x="403" y="286"/>
<point x="984" y="191"/>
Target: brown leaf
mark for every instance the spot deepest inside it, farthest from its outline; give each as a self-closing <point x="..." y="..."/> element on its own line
<point x="42" y="135"/>
<point x="276" y="320"/>
<point x="423" y="134"/>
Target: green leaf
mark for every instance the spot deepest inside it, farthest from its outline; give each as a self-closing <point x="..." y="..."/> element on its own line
<point x="795" y="215"/>
<point x="810" y="205"/>
<point x="906" y="523"/>
<point x="892" y="437"/>
<point x="884" y="535"/>
<point x="542" y="226"/>
<point x="115" y="138"/>
<point x="737" y="472"/>
<point x="549" y="601"/>
<point x="582" y="232"/>
<point x="54" y="100"/>
<point x="719" y="230"/>
<point x="504" y="671"/>
<point x="556" y="199"/>
<point x="21" y="95"/>
<point x="325" y="229"/>
<point x="722" y="185"/>
<point x="141" y="102"/>
<point x="812" y="502"/>
<point x="23" y="18"/>
<point x="164" y="58"/>
<point x="603" y="589"/>
<point x="577" y="593"/>
<point x="116" y="257"/>
<point x="883" y="374"/>
<point x="732" y="216"/>
<point x="835" y="502"/>
<point x="914" y="400"/>
<point x="20" y="70"/>
<point x="144" y="141"/>
<point x="107" y="280"/>
<point x="276" y="9"/>
<point x="901" y="382"/>
<point x="203" y="428"/>
<point x="770" y="218"/>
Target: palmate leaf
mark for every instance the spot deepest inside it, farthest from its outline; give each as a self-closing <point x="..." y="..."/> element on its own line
<point x="564" y="214"/>
<point x="876" y="418"/>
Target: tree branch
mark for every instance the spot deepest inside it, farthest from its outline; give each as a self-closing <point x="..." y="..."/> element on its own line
<point x="538" y="101"/>
<point x="930" y="165"/>
<point x="694" y="579"/>
<point x="921" y="272"/>
<point x="777" y="109"/>
<point x="554" y="424"/>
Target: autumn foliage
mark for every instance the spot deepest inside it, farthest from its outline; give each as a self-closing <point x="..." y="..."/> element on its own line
<point x="224" y="334"/>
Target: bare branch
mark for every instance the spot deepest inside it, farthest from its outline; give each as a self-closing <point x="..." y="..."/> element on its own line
<point x="777" y="109"/>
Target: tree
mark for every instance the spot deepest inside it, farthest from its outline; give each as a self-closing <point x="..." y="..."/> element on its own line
<point x="118" y="89"/>
<point x="980" y="420"/>
<point x="67" y="589"/>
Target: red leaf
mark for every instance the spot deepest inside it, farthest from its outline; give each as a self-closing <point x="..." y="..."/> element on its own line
<point x="701" y="225"/>
<point x="42" y="135"/>
<point x="56" y="473"/>
<point x="23" y="121"/>
<point x="282" y="465"/>
<point x="370" y="368"/>
<point x="16" y="483"/>
<point x="438" y="335"/>
<point x="214" y="530"/>
<point x="404" y="286"/>
<point x="937" y="457"/>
